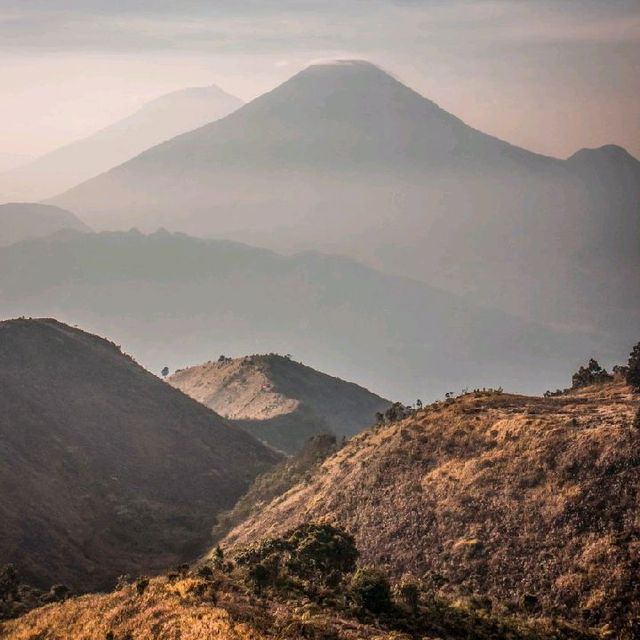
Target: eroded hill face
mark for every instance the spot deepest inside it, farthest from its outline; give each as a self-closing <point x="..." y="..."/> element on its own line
<point x="494" y="495"/>
<point x="279" y="400"/>
<point x="105" y="469"/>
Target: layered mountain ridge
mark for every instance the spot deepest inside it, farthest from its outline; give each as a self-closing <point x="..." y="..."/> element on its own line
<point x="158" y="120"/>
<point x="172" y="298"/>
<point x="343" y="158"/>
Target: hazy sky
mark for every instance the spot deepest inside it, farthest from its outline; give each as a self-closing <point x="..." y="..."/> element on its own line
<point x="552" y="76"/>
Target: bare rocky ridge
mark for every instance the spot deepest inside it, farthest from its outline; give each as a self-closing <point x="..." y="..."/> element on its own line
<point x="105" y="469"/>
<point x="531" y="502"/>
<point x="278" y="400"/>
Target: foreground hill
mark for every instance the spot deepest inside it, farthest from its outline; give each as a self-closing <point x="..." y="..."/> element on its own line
<point x="344" y="158"/>
<point x="26" y="220"/>
<point x="173" y="299"/>
<point x="158" y="120"/>
<point x="223" y="603"/>
<point x="278" y="400"/>
<point x="530" y="502"/>
<point x="105" y="468"/>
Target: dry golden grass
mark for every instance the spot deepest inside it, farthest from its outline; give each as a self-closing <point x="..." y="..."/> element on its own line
<point x="161" y="612"/>
<point x="492" y="495"/>
<point x="186" y="609"/>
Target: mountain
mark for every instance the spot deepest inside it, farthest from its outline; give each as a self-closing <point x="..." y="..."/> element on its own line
<point x="11" y="160"/>
<point x="278" y="400"/>
<point x="106" y="469"/>
<point x="343" y="158"/>
<point x="491" y="495"/>
<point x="174" y="299"/>
<point x="158" y="120"/>
<point x="26" y="220"/>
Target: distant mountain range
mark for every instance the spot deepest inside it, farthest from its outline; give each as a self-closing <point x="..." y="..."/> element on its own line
<point x="106" y="469"/>
<point x="279" y="400"/>
<point x="155" y="122"/>
<point x="27" y="220"/>
<point x="174" y="300"/>
<point x="344" y="158"/>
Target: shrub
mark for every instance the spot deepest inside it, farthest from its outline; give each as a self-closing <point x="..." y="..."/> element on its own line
<point x="370" y="590"/>
<point x="633" y="368"/>
<point x="260" y="575"/>
<point x="141" y="584"/>
<point x="408" y="594"/>
<point x="593" y="373"/>
<point x="636" y="420"/>
<point x="8" y="582"/>
<point x="59" y="592"/>
<point x="319" y="553"/>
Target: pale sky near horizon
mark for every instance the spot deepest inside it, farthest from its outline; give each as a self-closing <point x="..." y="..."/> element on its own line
<point x="550" y="75"/>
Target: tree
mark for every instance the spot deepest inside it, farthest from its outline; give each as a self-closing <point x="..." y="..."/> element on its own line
<point x="397" y="411"/>
<point x="593" y="373"/>
<point x="319" y="553"/>
<point x="633" y="368"/>
<point x="165" y="372"/>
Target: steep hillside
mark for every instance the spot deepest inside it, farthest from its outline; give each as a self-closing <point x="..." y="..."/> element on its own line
<point x="278" y="400"/>
<point x="531" y="502"/>
<point x="174" y="300"/>
<point x="26" y="220"/>
<point x="105" y="468"/>
<point x="157" y="121"/>
<point x="346" y="159"/>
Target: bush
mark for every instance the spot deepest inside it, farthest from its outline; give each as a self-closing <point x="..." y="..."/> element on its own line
<point x="319" y="553"/>
<point x="636" y="420"/>
<point x="141" y="584"/>
<point x="633" y="368"/>
<point x="408" y="594"/>
<point x="59" y="592"/>
<point x="8" y="582"/>
<point x="370" y="590"/>
<point x="593" y="373"/>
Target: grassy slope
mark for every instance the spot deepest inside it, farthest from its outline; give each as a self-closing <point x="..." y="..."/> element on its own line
<point x="495" y="495"/>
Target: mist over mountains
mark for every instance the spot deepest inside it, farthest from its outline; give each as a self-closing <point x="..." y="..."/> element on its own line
<point x="156" y="121"/>
<point x="172" y="300"/>
<point x="344" y="158"/>
<point x="340" y="223"/>
<point x="28" y="220"/>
